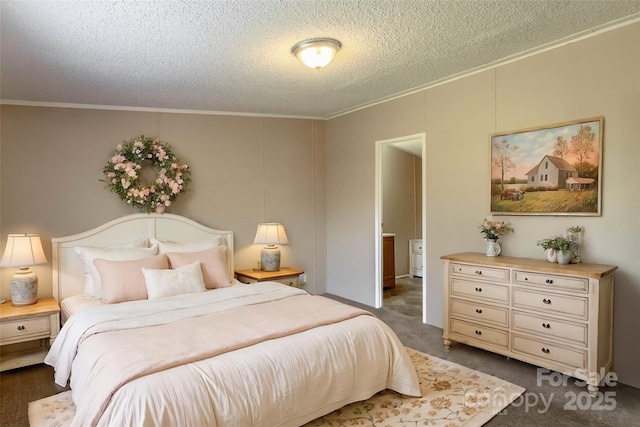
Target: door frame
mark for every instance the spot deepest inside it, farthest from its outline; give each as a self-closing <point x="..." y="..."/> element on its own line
<point x="421" y="137"/>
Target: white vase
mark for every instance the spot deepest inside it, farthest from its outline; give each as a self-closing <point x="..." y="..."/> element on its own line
<point x="552" y="256"/>
<point x="493" y="248"/>
<point x="564" y="257"/>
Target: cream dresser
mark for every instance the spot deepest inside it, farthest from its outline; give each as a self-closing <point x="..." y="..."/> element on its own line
<point x="415" y="258"/>
<point x="554" y="316"/>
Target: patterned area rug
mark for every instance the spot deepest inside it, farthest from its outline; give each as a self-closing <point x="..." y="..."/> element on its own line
<point x="452" y="395"/>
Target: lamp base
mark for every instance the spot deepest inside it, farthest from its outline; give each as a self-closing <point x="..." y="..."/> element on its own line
<point x="270" y="258"/>
<point x="24" y="288"/>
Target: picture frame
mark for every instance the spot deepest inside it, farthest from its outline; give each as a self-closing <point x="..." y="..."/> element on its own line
<point x="548" y="170"/>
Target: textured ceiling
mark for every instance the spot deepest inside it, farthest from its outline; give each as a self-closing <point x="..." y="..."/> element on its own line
<point x="234" y="55"/>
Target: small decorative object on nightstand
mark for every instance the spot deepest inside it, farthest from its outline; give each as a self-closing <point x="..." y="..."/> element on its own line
<point x="270" y="234"/>
<point x="287" y="276"/>
<point x="25" y="326"/>
<point x="23" y="251"/>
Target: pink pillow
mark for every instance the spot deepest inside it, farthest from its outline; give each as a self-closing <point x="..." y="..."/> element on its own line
<point x="212" y="261"/>
<point x="123" y="280"/>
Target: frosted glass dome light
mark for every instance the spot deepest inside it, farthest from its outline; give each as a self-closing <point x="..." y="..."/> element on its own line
<point x="316" y="53"/>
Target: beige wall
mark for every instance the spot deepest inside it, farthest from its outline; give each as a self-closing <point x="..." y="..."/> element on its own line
<point x="245" y="170"/>
<point x="399" y="202"/>
<point x="593" y="77"/>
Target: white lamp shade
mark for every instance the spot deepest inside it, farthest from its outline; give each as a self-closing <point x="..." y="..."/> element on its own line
<point x="271" y="233"/>
<point x="23" y="250"/>
<point x="316" y="53"/>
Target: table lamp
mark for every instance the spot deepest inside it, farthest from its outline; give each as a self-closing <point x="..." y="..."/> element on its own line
<point x="270" y="234"/>
<point x="23" y="251"/>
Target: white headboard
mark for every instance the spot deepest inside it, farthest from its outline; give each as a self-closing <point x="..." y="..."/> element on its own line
<point x="67" y="270"/>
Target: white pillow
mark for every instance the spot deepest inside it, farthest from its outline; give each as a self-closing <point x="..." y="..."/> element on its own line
<point x="92" y="282"/>
<point x="165" y="283"/>
<point x="194" y="246"/>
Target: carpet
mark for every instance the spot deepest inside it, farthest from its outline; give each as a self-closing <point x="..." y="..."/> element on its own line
<point x="452" y="395"/>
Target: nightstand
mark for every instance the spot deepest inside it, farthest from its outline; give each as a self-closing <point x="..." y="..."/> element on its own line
<point x="287" y="276"/>
<point x="30" y="329"/>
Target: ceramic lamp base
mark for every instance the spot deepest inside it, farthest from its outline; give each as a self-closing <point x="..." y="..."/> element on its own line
<point x="270" y="258"/>
<point x="24" y="288"/>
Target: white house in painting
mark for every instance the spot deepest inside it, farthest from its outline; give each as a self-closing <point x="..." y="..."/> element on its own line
<point x="551" y="172"/>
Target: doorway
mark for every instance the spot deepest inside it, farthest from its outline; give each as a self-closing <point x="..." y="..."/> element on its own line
<point x="416" y="146"/>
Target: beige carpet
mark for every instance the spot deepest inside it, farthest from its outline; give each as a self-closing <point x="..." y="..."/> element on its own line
<point x="452" y="395"/>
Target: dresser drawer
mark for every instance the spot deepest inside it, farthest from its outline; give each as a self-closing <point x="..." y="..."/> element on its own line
<point x="416" y="246"/>
<point x="550" y="327"/>
<point x="480" y="312"/>
<point x="579" y="284"/>
<point x="480" y="291"/>
<point x="480" y="272"/>
<point x="18" y="329"/>
<point x="293" y="281"/>
<point x="576" y="359"/>
<point x="547" y="302"/>
<point x="480" y="333"/>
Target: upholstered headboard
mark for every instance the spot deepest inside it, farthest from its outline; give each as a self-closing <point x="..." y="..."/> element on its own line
<point x="67" y="270"/>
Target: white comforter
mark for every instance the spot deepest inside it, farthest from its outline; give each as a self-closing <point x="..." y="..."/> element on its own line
<point x="283" y="381"/>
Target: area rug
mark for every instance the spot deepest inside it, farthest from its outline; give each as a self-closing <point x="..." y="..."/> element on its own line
<point x="452" y="395"/>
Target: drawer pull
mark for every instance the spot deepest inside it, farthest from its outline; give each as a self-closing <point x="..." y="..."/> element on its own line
<point x="549" y="281"/>
<point x="546" y="301"/>
<point x="478" y="332"/>
<point x="479" y="272"/>
<point x="21" y="328"/>
<point x="478" y="289"/>
<point x="546" y="350"/>
<point x="479" y="311"/>
<point x="546" y="325"/>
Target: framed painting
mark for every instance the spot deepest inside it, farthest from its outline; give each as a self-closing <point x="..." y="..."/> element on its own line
<point x="548" y="170"/>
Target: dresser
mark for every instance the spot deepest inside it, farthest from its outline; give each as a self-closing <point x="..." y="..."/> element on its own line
<point x="558" y="317"/>
<point x="415" y="257"/>
<point x="28" y="330"/>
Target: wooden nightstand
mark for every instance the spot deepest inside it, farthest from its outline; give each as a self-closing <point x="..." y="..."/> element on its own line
<point x="287" y="276"/>
<point x="31" y="329"/>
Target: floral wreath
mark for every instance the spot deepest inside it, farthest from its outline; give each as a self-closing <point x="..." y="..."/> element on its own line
<point x="124" y="174"/>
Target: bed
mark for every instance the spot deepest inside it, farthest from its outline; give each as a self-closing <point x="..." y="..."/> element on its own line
<point x="263" y="354"/>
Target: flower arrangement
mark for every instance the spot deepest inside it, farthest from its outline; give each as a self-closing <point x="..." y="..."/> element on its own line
<point x="492" y="230"/>
<point x="124" y="174"/>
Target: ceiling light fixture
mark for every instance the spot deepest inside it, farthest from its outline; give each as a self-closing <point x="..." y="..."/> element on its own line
<point x="316" y="53"/>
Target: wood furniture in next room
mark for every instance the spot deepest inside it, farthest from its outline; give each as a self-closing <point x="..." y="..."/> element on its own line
<point x="287" y="276"/>
<point x="388" y="261"/>
<point x="555" y="316"/>
<point x="31" y="328"/>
